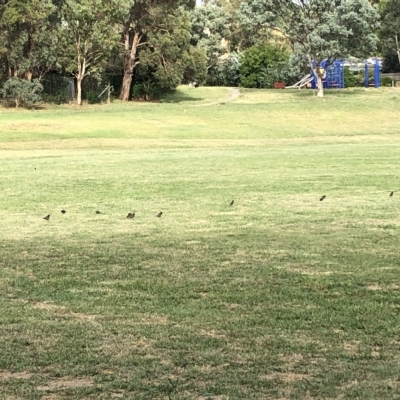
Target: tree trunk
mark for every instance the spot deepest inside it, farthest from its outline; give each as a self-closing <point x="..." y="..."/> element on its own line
<point x="126" y="86"/>
<point x="320" y="86"/>
<point x="317" y="73"/>
<point x="79" y="78"/>
<point x="79" y="90"/>
<point x="129" y="63"/>
<point x="397" y="47"/>
<point x="28" y="75"/>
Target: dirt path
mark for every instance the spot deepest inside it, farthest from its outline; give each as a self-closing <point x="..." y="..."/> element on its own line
<point x="233" y="95"/>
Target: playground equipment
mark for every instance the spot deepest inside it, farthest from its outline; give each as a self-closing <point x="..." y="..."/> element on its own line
<point x="302" y="82"/>
<point x="377" y="74"/>
<point x="333" y="75"/>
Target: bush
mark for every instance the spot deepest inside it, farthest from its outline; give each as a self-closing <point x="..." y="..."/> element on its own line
<point x="92" y="97"/>
<point x="262" y="65"/>
<point x="296" y="67"/>
<point x="386" y="81"/>
<point x="390" y="63"/>
<point x="353" y="78"/>
<point x="56" y="89"/>
<point x="22" y="93"/>
<point x="228" y="70"/>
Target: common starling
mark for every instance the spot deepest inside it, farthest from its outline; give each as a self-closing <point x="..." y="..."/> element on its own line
<point x="63" y="211"/>
<point x="391" y="194"/>
<point x="130" y="215"/>
<point x="231" y="203"/>
<point x="98" y="212"/>
<point x="47" y="217"/>
<point x="323" y="197"/>
<point x="159" y="215"/>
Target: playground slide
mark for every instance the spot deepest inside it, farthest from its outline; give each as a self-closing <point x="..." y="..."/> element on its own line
<point x="302" y="82"/>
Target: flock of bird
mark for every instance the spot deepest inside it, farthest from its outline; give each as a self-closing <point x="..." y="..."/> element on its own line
<point x="129" y="216"/>
<point x="132" y="215"/>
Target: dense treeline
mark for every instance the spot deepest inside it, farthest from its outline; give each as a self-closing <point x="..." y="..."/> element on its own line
<point x="146" y="47"/>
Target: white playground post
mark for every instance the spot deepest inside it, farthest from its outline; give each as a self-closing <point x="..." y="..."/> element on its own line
<point x="302" y="82"/>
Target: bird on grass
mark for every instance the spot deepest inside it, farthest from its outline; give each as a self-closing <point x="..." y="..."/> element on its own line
<point x="47" y="217"/>
<point x="159" y="215"/>
<point x="391" y="194"/>
<point x="130" y="215"/>
<point x="98" y="212"/>
<point x="322" y="198"/>
<point x="63" y="211"/>
<point x="231" y="203"/>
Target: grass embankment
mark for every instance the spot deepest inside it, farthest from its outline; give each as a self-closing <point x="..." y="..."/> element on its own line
<point x="279" y="296"/>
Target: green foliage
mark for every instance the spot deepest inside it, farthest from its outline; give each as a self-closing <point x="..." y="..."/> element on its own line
<point x="228" y="70"/>
<point x="386" y="81"/>
<point x="167" y="58"/>
<point x="353" y="78"/>
<point x="55" y="89"/>
<point x="196" y="65"/>
<point x="22" y="92"/>
<point x="87" y="38"/>
<point x="155" y="42"/>
<point x="390" y="63"/>
<point x="210" y="27"/>
<point x="262" y="65"/>
<point x="28" y="37"/>
<point x="390" y="32"/>
<point x="92" y="97"/>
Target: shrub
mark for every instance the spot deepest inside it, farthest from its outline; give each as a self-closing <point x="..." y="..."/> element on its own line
<point x="262" y="65"/>
<point x="22" y="92"/>
<point x="391" y="63"/>
<point x="228" y="70"/>
<point x="386" y="81"/>
<point x="353" y="78"/>
<point x="92" y="97"/>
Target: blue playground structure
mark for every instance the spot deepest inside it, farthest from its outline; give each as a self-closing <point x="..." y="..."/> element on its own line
<point x="377" y="74"/>
<point x="333" y="77"/>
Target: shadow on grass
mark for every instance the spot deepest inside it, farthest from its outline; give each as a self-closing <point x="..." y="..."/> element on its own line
<point x="179" y="97"/>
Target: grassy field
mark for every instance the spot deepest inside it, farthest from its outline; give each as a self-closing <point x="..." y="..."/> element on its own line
<point x="280" y="296"/>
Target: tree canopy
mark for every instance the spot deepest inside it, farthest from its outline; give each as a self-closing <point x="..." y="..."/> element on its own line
<point x="391" y="27"/>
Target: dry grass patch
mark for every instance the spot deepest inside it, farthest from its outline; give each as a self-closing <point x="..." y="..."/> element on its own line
<point x="376" y="287"/>
<point x="63" y="311"/>
<point x="351" y="348"/>
<point x="65" y="383"/>
<point x="5" y="375"/>
<point x="287" y="377"/>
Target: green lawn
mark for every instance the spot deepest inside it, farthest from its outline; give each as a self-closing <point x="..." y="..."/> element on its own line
<point x="280" y="296"/>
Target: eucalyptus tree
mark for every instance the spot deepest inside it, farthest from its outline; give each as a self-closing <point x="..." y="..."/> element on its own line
<point x="210" y="30"/>
<point x="320" y="29"/>
<point x="87" y="38"/>
<point x="391" y="27"/>
<point x="154" y="33"/>
<point x="28" y="37"/>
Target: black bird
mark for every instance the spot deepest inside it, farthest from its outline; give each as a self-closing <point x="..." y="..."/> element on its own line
<point x="47" y="217"/>
<point x="159" y="215"/>
<point x="130" y="215"/>
<point x="231" y="203"/>
<point x="391" y="194"/>
<point x="98" y="212"/>
<point x="323" y="197"/>
<point x="63" y="211"/>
